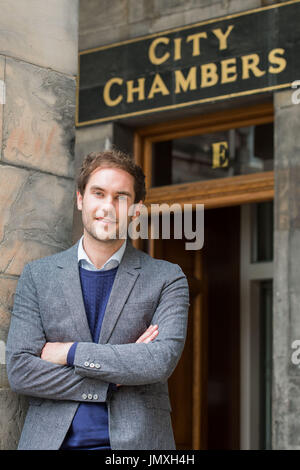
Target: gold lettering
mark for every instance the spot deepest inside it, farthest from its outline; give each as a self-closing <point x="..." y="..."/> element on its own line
<point x="279" y="61"/>
<point x="140" y="89"/>
<point x="152" y="51"/>
<point x="177" y="48"/>
<point x="250" y="62"/>
<point x="219" y="154"/>
<point x="209" y="76"/>
<point x="228" y="66"/>
<point x="106" y="92"/>
<point x="182" y="83"/>
<point x="222" y="36"/>
<point x="195" y="38"/>
<point x="158" y="86"/>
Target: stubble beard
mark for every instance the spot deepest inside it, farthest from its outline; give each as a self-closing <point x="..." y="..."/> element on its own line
<point x="101" y="232"/>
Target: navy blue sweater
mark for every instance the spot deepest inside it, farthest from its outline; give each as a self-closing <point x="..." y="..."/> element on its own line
<point x="89" y="428"/>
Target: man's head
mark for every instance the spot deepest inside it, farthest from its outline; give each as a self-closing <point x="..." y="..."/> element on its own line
<point x="109" y="183"/>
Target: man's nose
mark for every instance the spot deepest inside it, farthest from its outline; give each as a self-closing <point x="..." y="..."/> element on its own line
<point x="107" y="206"/>
<point x="107" y="201"/>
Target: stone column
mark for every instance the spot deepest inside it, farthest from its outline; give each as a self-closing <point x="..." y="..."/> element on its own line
<point x="38" y="63"/>
<point x="286" y="329"/>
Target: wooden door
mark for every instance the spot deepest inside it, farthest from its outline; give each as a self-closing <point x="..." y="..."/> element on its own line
<point x="204" y="388"/>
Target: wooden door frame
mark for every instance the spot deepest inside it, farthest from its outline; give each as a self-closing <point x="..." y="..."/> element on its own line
<point x="235" y="190"/>
<point x="222" y="192"/>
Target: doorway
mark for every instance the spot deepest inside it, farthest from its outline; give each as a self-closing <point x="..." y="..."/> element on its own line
<point x="204" y="388"/>
<point x="224" y="161"/>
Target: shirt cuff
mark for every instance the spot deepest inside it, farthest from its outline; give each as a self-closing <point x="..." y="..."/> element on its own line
<point x="71" y="354"/>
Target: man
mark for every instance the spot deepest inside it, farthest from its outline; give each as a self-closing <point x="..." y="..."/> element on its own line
<point x="97" y="329"/>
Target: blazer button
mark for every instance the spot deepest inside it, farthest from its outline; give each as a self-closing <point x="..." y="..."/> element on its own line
<point x="84" y="396"/>
<point x="97" y="366"/>
<point x="90" y="396"/>
<point x="95" y="396"/>
<point x="86" y="363"/>
<point x="92" y="364"/>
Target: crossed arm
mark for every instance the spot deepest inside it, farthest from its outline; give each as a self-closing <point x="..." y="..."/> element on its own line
<point x="33" y="369"/>
<point x="57" y="353"/>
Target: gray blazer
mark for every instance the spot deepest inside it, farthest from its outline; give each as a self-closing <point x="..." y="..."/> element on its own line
<point x="49" y="306"/>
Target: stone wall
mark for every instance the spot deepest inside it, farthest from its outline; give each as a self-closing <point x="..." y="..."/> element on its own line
<point x="38" y="63"/>
<point x="118" y="20"/>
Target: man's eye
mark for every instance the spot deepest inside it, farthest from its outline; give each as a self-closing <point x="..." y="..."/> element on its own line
<point x="122" y="197"/>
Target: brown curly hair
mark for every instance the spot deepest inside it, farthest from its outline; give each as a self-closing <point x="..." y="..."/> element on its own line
<point x="112" y="159"/>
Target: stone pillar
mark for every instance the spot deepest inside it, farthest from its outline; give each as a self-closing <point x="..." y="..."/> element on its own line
<point x="38" y="63"/>
<point x="286" y="328"/>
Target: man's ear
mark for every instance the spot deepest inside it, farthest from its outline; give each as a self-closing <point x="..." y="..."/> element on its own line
<point x="79" y="200"/>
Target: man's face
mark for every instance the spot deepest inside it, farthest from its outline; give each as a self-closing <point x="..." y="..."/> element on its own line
<point x="108" y="195"/>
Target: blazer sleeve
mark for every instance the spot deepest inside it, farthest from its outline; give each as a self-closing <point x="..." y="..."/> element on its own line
<point x="140" y="363"/>
<point x="28" y="374"/>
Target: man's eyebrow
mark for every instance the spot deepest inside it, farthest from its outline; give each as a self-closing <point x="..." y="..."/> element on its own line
<point x="94" y="187"/>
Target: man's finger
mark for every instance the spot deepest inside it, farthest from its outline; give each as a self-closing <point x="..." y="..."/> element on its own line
<point x="147" y="333"/>
<point x="154" y="334"/>
<point x="144" y="336"/>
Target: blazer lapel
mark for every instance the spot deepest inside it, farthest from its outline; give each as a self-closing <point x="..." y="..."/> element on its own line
<point x="69" y="278"/>
<point x="127" y="274"/>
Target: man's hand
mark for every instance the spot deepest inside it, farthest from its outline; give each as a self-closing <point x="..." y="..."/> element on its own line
<point x="149" y="334"/>
<point x="146" y="337"/>
<point x="56" y="353"/>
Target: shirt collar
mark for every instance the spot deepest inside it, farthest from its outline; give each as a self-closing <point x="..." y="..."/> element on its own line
<point x="112" y="262"/>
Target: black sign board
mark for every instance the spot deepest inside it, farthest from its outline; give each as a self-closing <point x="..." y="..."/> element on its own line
<point x="241" y="54"/>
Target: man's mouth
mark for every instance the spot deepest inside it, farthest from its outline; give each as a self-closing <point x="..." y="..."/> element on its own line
<point x="104" y="220"/>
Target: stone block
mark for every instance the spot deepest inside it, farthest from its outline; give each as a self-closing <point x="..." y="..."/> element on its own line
<point x="38" y="119"/>
<point x="103" y="35"/>
<point x="281" y="297"/>
<point x="35" y="216"/>
<point x="13" y="410"/>
<point x="287" y="137"/>
<point x="163" y="8"/>
<point x="294" y="285"/>
<point x="185" y="13"/>
<point x="42" y="33"/>
<point x="92" y="139"/>
<point x="283" y="99"/>
<point x="7" y="291"/>
<point x="282" y="207"/>
<point x="140" y="10"/>
<point x="173" y="20"/>
<point x="294" y="414"/>
<point x="2" y="96"/>
<point x="94" y="14"/>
